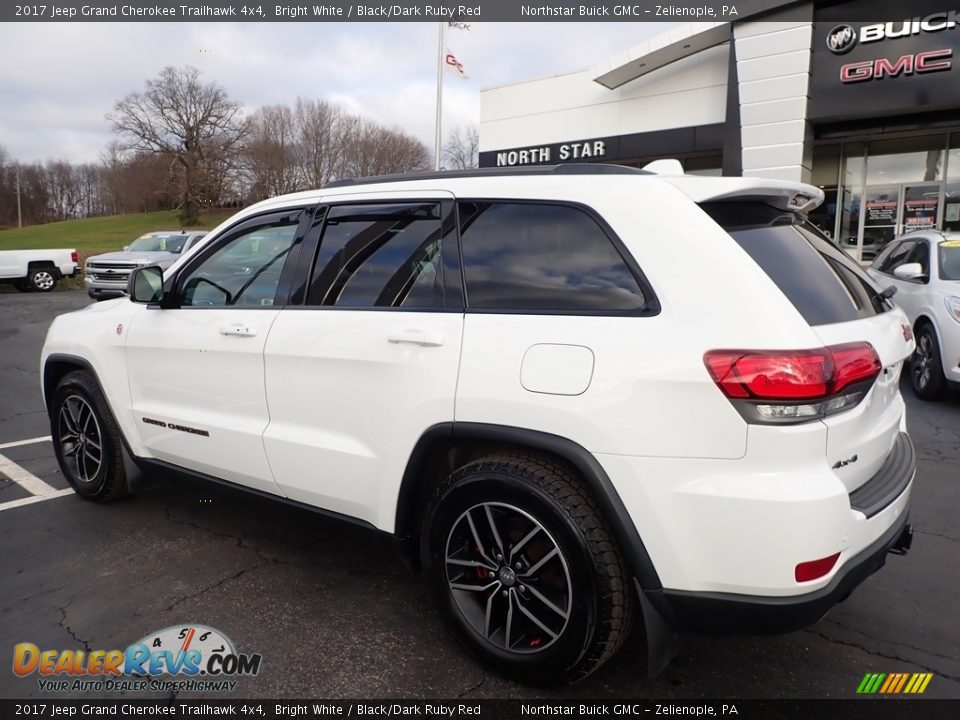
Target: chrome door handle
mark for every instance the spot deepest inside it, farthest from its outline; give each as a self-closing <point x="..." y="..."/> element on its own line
<point x="416" y="337"/>
<point x="238" y="330"/>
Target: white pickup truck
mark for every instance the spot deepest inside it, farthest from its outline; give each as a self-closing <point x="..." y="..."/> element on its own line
<point x="38" y="270"/>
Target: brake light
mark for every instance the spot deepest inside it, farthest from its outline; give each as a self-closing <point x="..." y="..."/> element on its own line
<point x="814" y="569"/>
<point x="854" y="363"/>
<point x="74" y="257"/>
<point x="794" y="385"/>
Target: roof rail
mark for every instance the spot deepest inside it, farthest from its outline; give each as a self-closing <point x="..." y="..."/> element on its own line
<point x="566" y="169"/>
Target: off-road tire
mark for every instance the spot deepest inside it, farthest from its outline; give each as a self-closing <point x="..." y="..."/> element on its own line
<point x="551" y="493"/>
<point x="81" y="394"/>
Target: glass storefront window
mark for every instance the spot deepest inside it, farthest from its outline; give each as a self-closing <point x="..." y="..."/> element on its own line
<point x="953" y="158"/>
<point x="951" y="206"/>
<point x="851" y="181"/>
<point x="906" y="160"/>
<point x="894" y="186"/>
<point x="826" y="170"/>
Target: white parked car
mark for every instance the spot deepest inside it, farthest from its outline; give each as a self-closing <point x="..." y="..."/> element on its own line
<point x="581" y="394"/>
<point x="37" y="270"/>
<point x="925" y="269"/>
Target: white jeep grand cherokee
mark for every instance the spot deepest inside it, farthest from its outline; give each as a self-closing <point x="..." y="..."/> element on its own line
<point x="582" y="393"/>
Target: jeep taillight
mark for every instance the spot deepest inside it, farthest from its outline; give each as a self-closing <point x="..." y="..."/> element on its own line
<point x="74" y="257"/>
<point x="784" y="386"/>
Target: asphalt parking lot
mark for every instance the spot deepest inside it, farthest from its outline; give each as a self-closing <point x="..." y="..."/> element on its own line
<point x="334" y="613"/>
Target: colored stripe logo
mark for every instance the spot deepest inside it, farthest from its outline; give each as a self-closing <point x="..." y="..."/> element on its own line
<point x="894" y="683"/>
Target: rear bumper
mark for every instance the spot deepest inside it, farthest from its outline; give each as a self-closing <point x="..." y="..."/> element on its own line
<point x="725" y="537"/>
<point x="744" y="614"/>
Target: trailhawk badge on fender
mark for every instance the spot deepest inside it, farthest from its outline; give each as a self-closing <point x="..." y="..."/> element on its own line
<point x="204" y="656"/>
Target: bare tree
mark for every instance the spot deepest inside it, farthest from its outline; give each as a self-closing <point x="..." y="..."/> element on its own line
<point x="462" y="150"/>
<point x="63" y="186"/>
<point x="375" y="150"/>
<point x="270" y="158"/>
<point x="194" y="123"/>
<point x="322" y="131"/>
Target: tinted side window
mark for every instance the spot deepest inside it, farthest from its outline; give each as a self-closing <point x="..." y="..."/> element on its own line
<point x="542" y="257"/>
<point x="380" y="256"/>
<point x="822" y="282"/>
<point x="243" y="272"/>
<point x="896" y="258"/>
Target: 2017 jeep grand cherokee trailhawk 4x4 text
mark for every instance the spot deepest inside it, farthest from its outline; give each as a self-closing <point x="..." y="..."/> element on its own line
<point x="584" y="393"/>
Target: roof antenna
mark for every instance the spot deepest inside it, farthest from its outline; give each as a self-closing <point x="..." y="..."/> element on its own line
<point x="665" y="167"/>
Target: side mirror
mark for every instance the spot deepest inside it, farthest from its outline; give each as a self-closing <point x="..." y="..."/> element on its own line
<point x="908" y="271"/>
<point x="146" y="285"/>
<point x="126" y="247"/>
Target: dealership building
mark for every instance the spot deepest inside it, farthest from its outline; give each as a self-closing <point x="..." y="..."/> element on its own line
<point x="859" y="98"/>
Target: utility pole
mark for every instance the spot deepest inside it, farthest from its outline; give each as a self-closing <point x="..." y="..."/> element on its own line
<point x="19" y="217"/>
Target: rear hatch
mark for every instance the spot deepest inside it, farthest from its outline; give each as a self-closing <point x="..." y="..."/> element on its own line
<point x="843" y="307"/>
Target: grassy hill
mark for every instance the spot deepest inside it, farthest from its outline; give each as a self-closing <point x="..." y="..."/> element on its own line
<point x="92" y="236"/>
<point x="99" y="234"/>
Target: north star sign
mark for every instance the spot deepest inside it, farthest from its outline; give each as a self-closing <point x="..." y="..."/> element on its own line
<point x="544" y="154"/>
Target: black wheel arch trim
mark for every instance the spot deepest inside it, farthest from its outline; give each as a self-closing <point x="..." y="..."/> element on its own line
<point x="136" y="476"/>
<point x="612" y="507"/>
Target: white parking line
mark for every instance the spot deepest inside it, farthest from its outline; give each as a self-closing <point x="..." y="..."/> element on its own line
<point x="18" y="443"/>
<point x="35" y="499"/>
<point x="28" y="481"/>
<point x="38" y="489"/>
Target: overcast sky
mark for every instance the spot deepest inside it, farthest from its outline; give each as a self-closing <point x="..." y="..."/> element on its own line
<point x="58" y="80"/>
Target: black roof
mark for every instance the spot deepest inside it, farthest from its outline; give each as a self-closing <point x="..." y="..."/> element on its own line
<point x="567" y="169"/>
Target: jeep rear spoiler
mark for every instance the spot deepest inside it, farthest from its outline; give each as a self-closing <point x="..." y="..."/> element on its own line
<point x="782" y="194"/>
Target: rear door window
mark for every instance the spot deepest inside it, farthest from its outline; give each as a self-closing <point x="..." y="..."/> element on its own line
<point x="381" y="255"/>
<point x="824" y="284"/>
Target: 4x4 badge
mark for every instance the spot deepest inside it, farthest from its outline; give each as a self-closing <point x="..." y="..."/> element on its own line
<point x="844" y="463"/>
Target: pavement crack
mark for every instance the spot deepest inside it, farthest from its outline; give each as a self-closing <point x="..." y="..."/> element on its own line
<point x="70" y="630"/>
<point x="888" y="656"/>
<point x="210" y="587"/>
<point x="848" y="628"/>
<point x="469" y="690"/>
<point x="32" y="596"/>
<point x="939" y="535"/>
<point x="240" y="541"/>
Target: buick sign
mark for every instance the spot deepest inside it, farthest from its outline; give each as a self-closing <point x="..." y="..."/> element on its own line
<point x="841" y="39"/>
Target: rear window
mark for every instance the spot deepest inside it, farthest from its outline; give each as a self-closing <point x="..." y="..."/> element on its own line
<point x="824" y="284"/>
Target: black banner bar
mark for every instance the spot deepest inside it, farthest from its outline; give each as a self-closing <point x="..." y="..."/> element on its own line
<point x="404" y="11"/>
<point x="866" y="709"/>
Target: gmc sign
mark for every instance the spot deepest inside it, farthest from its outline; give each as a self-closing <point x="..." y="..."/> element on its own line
<point x="877" y="59"/>
<point x="923" y="62"/>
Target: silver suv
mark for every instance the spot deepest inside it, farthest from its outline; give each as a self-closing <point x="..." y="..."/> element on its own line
<point x="105" y="276"/>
